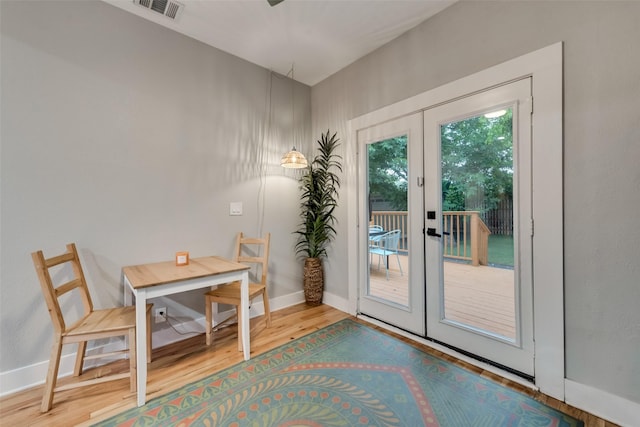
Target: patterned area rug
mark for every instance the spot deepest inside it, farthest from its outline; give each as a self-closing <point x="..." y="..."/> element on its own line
<point x="346" y="374"/>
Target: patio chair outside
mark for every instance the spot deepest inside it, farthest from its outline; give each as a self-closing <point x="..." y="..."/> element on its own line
<point x="385" y="246"/>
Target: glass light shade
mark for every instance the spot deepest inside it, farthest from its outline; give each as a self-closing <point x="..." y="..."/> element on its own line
<point x="293" y="160"/>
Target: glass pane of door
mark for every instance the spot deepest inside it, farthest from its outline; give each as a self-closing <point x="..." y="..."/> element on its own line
<point x="388" y="226"/>
<point x="391" y="243"/>
<point x="477" y="222"/>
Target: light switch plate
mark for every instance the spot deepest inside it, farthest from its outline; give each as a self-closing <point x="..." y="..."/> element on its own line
<point x="235" y="208"/>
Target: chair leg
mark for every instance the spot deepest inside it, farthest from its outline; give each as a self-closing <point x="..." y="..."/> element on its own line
<point x="82" y="349"/>
<point x="399" y="265"/>
<point x="209" y="319"/>
<point x="133" y="371"/>
<point x="267" y="310"/>
<point x="386" y="265"/>
<point x="52" y="375"/>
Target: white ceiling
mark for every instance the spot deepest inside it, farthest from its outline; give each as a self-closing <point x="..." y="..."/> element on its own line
<point x="319" y="36"/>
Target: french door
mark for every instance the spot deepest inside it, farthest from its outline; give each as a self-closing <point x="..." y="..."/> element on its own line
<point x="390" y="155"/>
<point x="479" y="225"/>
<point x="461" y="273"/>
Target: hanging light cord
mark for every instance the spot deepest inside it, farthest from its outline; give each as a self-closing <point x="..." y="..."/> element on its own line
<point x="293" y="109"/>
<point x="261" y="202"/>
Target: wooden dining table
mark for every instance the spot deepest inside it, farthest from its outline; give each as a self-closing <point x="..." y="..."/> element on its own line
<point x="146" y="281"/>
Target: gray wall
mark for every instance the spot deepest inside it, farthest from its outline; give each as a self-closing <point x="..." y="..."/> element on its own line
<point x="601" y="146"/>
<point x="131" y="140"/>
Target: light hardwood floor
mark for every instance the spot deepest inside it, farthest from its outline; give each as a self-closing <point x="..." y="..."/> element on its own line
<point x="180" y="363"/>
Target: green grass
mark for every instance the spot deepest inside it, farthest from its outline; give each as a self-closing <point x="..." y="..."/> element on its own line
<point x="500" y="250"/>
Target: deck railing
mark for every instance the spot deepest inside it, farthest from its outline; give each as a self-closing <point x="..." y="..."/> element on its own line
<point x="393" y="220"/>
<point x="465" y="235"/>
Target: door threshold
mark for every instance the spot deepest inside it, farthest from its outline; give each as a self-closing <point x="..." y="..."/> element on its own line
<point x="451" y="352"/>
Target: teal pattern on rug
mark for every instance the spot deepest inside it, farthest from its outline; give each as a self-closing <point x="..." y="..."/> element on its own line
<point x="346" y="374"/>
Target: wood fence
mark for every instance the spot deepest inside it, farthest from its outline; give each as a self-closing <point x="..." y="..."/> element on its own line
<point x="498" y="218"/>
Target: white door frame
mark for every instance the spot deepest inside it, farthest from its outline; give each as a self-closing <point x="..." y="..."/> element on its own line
<point x="545" y="67"/>
<point x="411" y="317"/>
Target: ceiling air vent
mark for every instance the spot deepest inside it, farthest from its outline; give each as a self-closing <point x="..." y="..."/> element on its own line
<point x="169" y="8"/>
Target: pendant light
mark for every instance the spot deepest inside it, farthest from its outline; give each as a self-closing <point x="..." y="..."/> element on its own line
<point x="293" y="159"/>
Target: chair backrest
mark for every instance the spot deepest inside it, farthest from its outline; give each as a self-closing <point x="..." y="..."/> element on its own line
<point x="254" y="251"/>
<point x="52" y="291"/>
<point x="375" y="228"/>
<point x="390" y="240"/>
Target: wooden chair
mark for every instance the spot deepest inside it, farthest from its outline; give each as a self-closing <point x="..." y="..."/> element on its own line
<point x="92" y="324"/>
<point x="247" y="251"/>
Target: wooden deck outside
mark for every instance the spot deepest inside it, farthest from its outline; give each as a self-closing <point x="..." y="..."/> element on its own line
<point x="480" y="296"/>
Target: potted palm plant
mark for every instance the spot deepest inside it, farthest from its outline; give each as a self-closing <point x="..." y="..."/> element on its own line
<point x="318" y="202"/>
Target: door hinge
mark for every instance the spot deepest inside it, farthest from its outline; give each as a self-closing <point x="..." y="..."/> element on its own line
<point x="530" y="105"/>
<point x="531" y="227"/>
<point x="420" y="181"/>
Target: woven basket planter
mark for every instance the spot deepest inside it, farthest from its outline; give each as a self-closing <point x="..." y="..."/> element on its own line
<point x="313" y="281"/>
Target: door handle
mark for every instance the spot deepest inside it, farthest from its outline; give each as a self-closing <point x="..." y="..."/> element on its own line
<point x="432" y="232"/>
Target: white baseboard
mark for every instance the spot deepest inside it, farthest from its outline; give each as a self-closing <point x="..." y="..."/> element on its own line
<point x="335" y="302"/>
<point x="598" y="402"/>
<point x="602" y="404"/>
<point x="33" y="375"/>
<point x="197" y="326"/>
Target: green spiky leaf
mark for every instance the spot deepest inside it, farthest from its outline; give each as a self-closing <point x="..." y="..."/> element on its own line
<point x="319" y="199"/>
